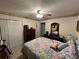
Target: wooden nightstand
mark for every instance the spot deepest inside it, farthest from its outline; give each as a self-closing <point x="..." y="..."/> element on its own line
<point x="3" y="54"/>
<point x="4" y="51"/>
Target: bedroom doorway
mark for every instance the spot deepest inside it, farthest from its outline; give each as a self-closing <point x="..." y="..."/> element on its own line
<point x="42" y="29"/>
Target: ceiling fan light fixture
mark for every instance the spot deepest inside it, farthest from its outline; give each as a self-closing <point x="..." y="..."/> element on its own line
<point x="40" y="12"/>
<point x="39" y="16"/>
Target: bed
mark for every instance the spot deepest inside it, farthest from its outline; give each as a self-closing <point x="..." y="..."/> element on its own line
<point x="39" y="48"/>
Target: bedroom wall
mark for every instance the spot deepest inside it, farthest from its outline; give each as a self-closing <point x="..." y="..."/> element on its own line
<point x="25" y="21"/>
<point x="12" y="29"/>
<point x="67" y="25"/>
<point x="77" y="19"/>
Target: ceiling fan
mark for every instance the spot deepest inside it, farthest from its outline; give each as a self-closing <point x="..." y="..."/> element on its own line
<point x="41" y="14"/>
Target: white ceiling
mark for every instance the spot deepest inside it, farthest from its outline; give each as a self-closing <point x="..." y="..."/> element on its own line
<point x="28" y="8"/>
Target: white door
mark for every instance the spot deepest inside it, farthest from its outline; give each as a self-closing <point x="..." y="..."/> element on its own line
<point x="38" y="29"/>
<point x="42" y="29"/>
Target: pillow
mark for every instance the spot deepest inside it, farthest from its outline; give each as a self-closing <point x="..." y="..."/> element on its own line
<point x="54" y="44"/>
<point x="62" y="46"/>
<point x="71" y="42"/>
<point x="57" y="45"/>
<point x="69" y="37"/>
<point x="69" y="52"/>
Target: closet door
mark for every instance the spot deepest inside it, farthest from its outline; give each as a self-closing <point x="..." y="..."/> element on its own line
<point x="42" y="29"/>
<point x="38" y="33"/>
<point x="15" y="33"/>
<point x="4" y="31"/>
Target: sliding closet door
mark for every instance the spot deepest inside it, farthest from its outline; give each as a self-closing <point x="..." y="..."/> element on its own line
<point x="4" y="31"/>
<point x="15" y="33"/>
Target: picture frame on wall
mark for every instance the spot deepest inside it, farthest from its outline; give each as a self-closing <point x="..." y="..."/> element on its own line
<point x="78" y="26"/>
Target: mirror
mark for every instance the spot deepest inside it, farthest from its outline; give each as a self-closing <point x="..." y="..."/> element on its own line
<point x="55" y="29"/>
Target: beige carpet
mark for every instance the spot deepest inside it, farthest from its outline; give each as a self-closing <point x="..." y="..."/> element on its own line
<point x="16" y="53"/>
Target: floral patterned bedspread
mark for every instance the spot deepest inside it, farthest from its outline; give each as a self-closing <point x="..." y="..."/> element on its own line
<point x="40" y="49"/>
<point x="69" y="52"/>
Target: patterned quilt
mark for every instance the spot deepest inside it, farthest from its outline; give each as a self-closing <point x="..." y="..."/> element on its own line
<point x="40" y="49"/>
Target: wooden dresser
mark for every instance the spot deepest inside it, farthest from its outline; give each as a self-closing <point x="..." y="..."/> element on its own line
<point x="29" y="34"/>
<point x="54" y="33"/>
